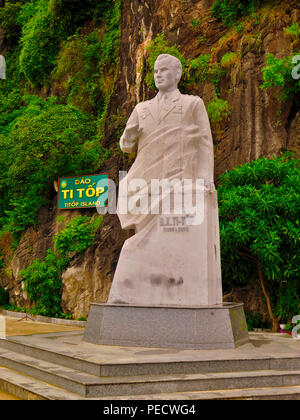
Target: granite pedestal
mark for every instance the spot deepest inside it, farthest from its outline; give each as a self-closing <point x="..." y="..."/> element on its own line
<point x="183" y="327"/>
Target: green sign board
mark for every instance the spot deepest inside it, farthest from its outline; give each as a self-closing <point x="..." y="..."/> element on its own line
<point x="81" y="192"/>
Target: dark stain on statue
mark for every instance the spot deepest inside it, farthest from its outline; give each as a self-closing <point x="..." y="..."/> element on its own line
<point x="120" y="302"/>
<point x="174" y="282"/>
<point x="156" y="279"/>
<point x="128" y="283"/>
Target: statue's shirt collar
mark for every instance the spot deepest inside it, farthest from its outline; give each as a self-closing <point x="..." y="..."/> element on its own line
<point x="168" y="97"/>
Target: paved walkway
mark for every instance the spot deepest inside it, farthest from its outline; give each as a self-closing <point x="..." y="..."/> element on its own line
<point x="15" y="326"/>
<point x="70" y="343"/>
<point x="4" y="397"/>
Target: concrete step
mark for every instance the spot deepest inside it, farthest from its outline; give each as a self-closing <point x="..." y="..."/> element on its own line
<point x="63" y="377"/>
<point x="267" y="393"/>
<point x="88" y="385"/>
<point x="43" y="349"/>
<point x="57" y="356"/>
<point x="27" y="388"/>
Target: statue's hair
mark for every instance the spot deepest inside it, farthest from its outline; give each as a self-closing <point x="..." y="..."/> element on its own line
<point x="175" y="61"/>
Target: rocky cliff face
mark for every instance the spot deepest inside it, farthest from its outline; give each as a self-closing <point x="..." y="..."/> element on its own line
<point x="258" y="126"/>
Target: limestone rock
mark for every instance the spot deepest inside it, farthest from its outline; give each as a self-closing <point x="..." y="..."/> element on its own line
<point x="89" y="277"/>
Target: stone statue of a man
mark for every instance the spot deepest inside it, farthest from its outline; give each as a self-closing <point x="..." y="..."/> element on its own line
<point x="169" y="261"/>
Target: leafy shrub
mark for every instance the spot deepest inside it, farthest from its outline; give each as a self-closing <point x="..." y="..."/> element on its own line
<point x="43" y="283"/>
<point x="77" y="236"/>
<point x="8" y="19"/>
<point x="293" y="31"/>
<point x="87" y="64"/>
<point x="201" y="68"/>
<point x="76" y="12"/>
<point x="218" y="110"/>
<point x="43" y="278"/>
<point x="160" y="45"/>
<point x="77" y="71"/>
<point x="228" y="11"/>
<point x="46" y="141"/>
<point x="81" y="318"/>
<point x="86" y="68"/>
<point x="40" y="40"/>
<point x="4" y="297"/>
<point x="46" y="23"/>
<point x="260" y="231"/>
<point x="229" y="59"/>
<point x="11" y="108"/>
<point x="278" y="74"/>
<point x="14" y="308"/>
<point x="255" y="320"/>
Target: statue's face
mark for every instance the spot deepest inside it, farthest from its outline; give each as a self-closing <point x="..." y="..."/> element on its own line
<point x="165" y="75"/>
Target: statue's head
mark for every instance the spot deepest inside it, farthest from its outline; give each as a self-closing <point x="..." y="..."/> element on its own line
<point x="167" y="72"/>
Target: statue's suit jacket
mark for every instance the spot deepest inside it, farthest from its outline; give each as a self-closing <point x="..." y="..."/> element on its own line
<point x="175" y="142"/>
<point x="172" y="142"/>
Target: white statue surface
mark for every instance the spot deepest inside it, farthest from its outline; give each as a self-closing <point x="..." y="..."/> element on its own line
<point x="169" y="261"/>
<point x="2" y="67"/>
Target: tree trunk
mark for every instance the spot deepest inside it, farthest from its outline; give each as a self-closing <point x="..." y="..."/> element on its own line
<point x="275" y="321"/>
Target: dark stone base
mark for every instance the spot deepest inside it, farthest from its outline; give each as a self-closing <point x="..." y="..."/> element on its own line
<point x="202" y="327"/>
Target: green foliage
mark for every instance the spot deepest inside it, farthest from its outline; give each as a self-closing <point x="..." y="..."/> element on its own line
<point x="201" y="68"/>
<point x="195" y="25"/>
<point x="90" y="62"/>
<point x="65" y="315"/>
<point x="202" y="39"/>
<point x="255" y="320"/>
<point x="46" y="23"/>
<point x="81" y="318"/>
<point x="4" y="297"/>
<point x="278" y="74"/>
<point x="43" y="278"/>
<point x="79" y="59"/>
<point x="218" y="110"/>
<point x="40" y="40"/>
<point x="229" y="59"/>
<point x="77" y="236"/>
<point x="87" y="65"/>
<point x="288" y="300"/>
<point x="14" y="308"/>
<point x="259" y="207"/>
<point x="160" y="45"/>
<point x="229" y="11"/>
<point x="11" y="108"/>
<point x="8" y="19"/>
<point x="76" y="12"/>
<point x="293" y="31"/>
<point x="43" y="283"/>
<point x="45" y="140"/>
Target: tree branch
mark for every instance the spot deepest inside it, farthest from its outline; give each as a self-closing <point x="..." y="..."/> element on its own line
<point x="247" y="255"/>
